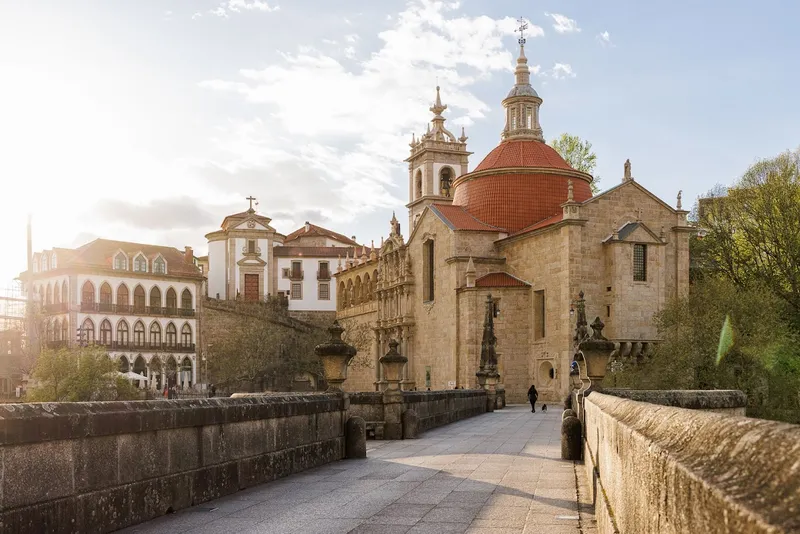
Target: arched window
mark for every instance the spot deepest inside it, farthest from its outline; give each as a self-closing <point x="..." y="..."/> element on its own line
<point x="57" y="293"/>
<point x="122" y="334"/>
<point x="186" y="336"/>
<point x="87" y="295"/>
<point x="186" y="299"/>
<point x="53" y="261"/>
<point x="341" y="297"/>
<point x="57" y="330"/>
<point x="124" y="365"/>
<point x="64" y="326"/>
<point x="367" y="288"/>
<point x="48" y="331"/>
<point x="122" y="299"/>
<point x="172" y="336"/>
<point x="155" y="335"/>
<point x="140" y="264"/>
<point x="446" y="181"/>
<point x="105" y="333"/>
<point x="105" y="297"/>
<point x="44" y="262"/>
<point x="357" y="296"/>
<point x="529" y="118"/>
<point x="138" y="334"/>
<point x="48" y="295"/>
<point x="159" y="266"/>
<point x="155" y="299"/>
<point x="172" y="301"/>
<point x="514" y="119"/>
<point x="121" y="262"/>
<point x="139" y="365"/>
<point x="138" y="299"/>
<point x="186" y="372"/>
<point x="349" y="300"/>
<point x="87" y="332"/>
<point x="64" y="292"/>
<point x="418" y="185"/>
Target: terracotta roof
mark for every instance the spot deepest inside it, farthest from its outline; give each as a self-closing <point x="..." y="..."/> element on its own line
<point x="522" y="153"/>
<point x="318" y="231"/>
<point x="457" y="218"/>
<point x="314" y="252"/>
<point x="541" y="224"/>
<point x="100" y="253"/>
<point x="517" y="200"/>
<point x="500" y="280"/>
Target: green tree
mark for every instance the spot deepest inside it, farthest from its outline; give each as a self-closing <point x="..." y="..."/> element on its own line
<point x="764" y="361"/>
<point x="75" y="375"/>
<point x="752" y="233"/>
<point x="578" y="154"/>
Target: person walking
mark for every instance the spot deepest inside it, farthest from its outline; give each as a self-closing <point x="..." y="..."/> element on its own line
<point x="532" y="396"/>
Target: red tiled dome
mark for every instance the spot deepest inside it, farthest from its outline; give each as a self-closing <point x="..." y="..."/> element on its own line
<point x="515" y="199"/>
<point x="522" y="153"/>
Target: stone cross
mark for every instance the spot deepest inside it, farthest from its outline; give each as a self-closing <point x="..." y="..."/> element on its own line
<point x="522" y="27"/>
<point x="251" y="198"/>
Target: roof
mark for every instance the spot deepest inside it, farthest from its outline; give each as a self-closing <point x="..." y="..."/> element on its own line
<point x="542" y="224"/>
<point x="458" y="218"/>
<point x="238" y="217"/>
<point x="100" y="253"/>
<point x="312" y="252"/>
<point x="318" y="231"/>
<point x="500" y="280"/>
<point x="522" y="153"/>
<point x="517" y="200"/>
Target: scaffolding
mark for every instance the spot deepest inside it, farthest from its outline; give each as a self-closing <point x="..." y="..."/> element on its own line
<point x="12" y="307"/>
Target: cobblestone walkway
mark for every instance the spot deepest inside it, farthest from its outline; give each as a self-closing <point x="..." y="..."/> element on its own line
<point x="497" y="473"/>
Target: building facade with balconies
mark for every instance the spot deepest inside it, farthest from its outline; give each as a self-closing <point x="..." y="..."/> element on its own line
<point x="138" y="301"/>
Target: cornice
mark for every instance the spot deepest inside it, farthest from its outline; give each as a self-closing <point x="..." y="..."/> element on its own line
<point x="476" y="259"/>
<point x="522" y="170"/>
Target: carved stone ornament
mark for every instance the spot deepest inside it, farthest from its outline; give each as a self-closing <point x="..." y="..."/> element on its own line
<point x="251" y="224"/>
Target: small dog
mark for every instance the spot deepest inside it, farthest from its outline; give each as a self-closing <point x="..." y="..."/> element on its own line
<point x="544" y="407"/>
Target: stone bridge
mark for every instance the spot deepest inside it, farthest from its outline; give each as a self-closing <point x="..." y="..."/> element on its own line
<point x="655" y="462"/>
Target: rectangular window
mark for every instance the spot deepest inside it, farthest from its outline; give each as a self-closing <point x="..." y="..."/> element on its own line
<point x="297" y="269"/>
<point x="324" y="271"/>
<point x="640" y="263"/>
<point x="513" y="119"/>
<point x="427" y="271"/>
<point x="297" y="290"/>
<point x="324" y="292"/>
<point x="538" y="318"/>
<point x="529" y="119"/>
<point x="251" y="246"/>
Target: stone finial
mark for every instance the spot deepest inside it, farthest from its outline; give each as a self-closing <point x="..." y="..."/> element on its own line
<point x="335" y="355"/>
<point x="393" y="363"/>
<point x="381" y="241"/>
<point x="597" y="328"/>
<point x="372" y="254"/>
<point x="470" y="273"/>
<point x="570" y="192"/>
<point x="363" y="254"/>
<point x="627" y="177"/>
<point x="339" y="266"/>
<point x="680" y="205"/>
<point x="413" y="142"/>
<point x="463" y="137"/>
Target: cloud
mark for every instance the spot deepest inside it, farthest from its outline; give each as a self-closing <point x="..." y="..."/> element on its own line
<point x="351" y="38"/>
<point x="604" y="39"/>
<point x="563" y="24"/>
<point x="561" y="71"/>
<point x="237" y="6"/>
<point x="350" y="52"/>
<point x="329" y="136"/>
<point x="166" y="214"/>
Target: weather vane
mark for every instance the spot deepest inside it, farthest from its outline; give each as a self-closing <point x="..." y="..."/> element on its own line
<point x="522" y="27"/>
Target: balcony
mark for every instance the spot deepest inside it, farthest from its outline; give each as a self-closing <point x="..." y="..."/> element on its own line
<point x="150" y="347"/>
<point x="59" y="307"/>
<point x="127" y="309"/>
<point x="324" y="274"/>
<point x="296" y="274"/>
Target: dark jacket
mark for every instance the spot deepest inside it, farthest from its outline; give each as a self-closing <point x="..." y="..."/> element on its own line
<point x="532" y="393"/>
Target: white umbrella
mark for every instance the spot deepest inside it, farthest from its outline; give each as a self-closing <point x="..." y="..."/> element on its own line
<point x="130" y="375"/>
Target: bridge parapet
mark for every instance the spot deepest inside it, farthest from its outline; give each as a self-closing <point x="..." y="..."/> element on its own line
<point x="665" y="469"/>
<point x="101" y="466"/>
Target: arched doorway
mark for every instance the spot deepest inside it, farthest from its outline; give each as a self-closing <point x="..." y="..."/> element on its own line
<point x="186" y="373"/>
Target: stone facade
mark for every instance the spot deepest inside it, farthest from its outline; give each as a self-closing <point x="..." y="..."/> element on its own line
<point x="625" y="248"/>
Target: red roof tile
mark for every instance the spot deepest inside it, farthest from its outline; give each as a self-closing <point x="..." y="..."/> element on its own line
<point x="517" y="200"/>
<point x="500" y="280"/>
<point x="542" y="224"/>
<point x="314" y="252"/>
<point x="318" y="231"/>
<point x="100" y="253"/>
<point x="522" y="153"/>
<point x="459" y="219"/>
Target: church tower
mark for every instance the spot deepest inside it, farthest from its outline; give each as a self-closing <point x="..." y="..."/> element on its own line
<point x="522" y="103"/>
<point x="437" y="158"/>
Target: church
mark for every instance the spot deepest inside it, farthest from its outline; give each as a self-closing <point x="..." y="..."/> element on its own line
<point x="524" y="229"/>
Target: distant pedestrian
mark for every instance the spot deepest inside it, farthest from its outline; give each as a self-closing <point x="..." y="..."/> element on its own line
<point x="532" y="396"/>
<point x="213" y="390"/>
<point x="166" y="392"/>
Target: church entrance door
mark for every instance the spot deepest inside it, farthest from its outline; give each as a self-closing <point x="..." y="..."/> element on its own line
<point x="251" y="287"/>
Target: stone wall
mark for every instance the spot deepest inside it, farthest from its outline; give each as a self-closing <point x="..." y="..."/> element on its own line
<point x="672" y="470"/>
<point x="97" y="467"/>
<point x="434" y="408"/>
<point x="727" y="401"/>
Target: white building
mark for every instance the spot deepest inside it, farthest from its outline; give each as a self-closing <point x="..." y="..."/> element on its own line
<point x="139" y="301"/>
<point x="250" y="260"/>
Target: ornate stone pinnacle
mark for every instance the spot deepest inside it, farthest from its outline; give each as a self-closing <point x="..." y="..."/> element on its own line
<point x="680" y="192"/>
<point x="570" y="192"/>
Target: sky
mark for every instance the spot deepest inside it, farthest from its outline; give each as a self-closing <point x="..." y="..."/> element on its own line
<point x="150" y="120"/>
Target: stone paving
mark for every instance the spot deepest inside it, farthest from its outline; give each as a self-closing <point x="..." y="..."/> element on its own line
<point x="497" y="473"/>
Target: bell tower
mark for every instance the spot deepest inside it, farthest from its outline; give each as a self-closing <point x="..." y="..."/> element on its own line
<point x="437" y="158"/>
